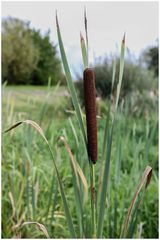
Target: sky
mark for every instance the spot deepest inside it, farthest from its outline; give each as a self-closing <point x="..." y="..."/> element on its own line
<point x="107" y="23"/>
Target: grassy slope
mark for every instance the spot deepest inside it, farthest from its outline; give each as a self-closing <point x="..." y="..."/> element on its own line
<point x="27" y="170"/>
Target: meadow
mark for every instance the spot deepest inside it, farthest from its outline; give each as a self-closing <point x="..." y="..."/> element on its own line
<point x="32" y="206"/>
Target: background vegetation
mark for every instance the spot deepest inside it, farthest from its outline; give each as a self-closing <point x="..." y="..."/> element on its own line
<point x="29" y="177"/>
<point x="27" y="56"/>
<point x="139" y="76"/>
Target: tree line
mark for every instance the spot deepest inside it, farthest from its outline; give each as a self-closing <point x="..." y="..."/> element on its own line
<point x="27" y="56"/>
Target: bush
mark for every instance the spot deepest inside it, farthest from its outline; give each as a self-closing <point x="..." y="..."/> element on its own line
<point x="135" y="78"/>
<point x="27" y="56"/>
<point x="19" y="56"/>
<point x="48" y="64"/>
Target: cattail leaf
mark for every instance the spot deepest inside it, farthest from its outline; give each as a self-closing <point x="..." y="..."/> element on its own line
<point x="77" y="173"/>
<point x="86" y="28"/>
<point x="120" y="71"/>
<point x="104" y="150"/>
<point x="113" y="74"/>
<point x="83" y="179"/>
<point x="108" y="112"/>
<point x="107" y="127"/>
<point x="70" y="83"/>
<point x="134" y="219"/>
<point x="106" y="131"/>
<point x="109" y="145"/>
<point x="77" y="169"/>
<point x="84" y="51"/>
<point x="143" y="183"/>
<point x="65" y="204"/>
<point x="74" y="132"/>
<point x="105" y="183"/>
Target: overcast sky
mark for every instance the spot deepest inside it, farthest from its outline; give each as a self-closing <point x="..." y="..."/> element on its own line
<point x="107" y="22"/>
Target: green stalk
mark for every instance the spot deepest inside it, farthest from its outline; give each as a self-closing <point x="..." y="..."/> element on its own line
<point x="93" y="200"/>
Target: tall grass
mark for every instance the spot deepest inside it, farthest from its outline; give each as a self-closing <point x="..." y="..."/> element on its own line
<point x="91" y="212"/>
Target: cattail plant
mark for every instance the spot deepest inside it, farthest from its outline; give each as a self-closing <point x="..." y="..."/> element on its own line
<point x="90" y="139"/>
<point x="90" y="107"/>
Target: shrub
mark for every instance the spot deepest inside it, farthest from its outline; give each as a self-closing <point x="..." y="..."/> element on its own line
<point x="27" y="56"/>
<point x="135" y="78"/>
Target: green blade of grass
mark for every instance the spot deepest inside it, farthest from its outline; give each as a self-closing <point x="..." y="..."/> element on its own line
<point x="74" y="132"/>
<point x="78" y="203"/>
<point x="53" y="205"/>
<point x="70" y="83"/>
<point x="107" y="127"/>
<point x="77" y="169"/>
<point x="50" y="197"/>
<point x="84" y="52"/>
<point x="65" y="204"/>
<point x="33" y="201"/>
<point x="120" y="71"/>
<point x="113" y="74"/>
<point x="104" y="185"/>
<point x="109" y="146"/>
<point x="106" y="131"/>
<point x="149" y="140"/>
<point x="108" y="112"/>
<point x="77" y="174"/>
<point x="134" y="219"/>
<point x="144" y="183"/>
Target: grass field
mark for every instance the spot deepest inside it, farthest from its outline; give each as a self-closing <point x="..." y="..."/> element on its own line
<point x="30" y="192"/>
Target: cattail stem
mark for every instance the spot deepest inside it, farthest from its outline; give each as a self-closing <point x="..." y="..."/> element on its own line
<point x="93" y="201"/>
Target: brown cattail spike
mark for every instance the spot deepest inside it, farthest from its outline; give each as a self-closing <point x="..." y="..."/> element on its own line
<point x="90" y="107"/>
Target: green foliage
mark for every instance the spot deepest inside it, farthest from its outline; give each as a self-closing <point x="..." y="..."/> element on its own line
<point x="27" y="56"/>
<point x="48" y="64"/>
<point x="19" y="56"/>
<point x="27" y="168"/>
<point x="151" y="56"/>
<point x="135" y="78"/>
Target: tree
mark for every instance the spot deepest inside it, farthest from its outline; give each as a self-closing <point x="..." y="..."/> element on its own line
<point x="151" y="56"/>
<point x="27" y="56"/>
<point x="135" y="78"/>
<point x="19" y="56"/>
<point x="48" y="64"/>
